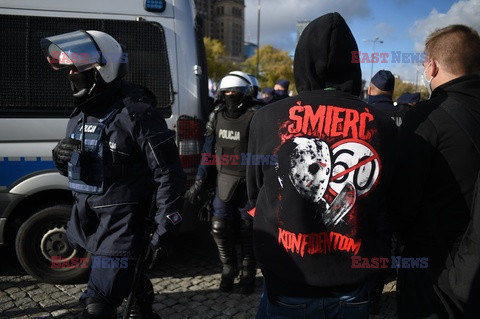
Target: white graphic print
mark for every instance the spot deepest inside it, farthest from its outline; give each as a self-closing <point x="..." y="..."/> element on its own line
<point x="355" y="162"/>
<point x="351" y="171"/>
<point x="310" y="167"/>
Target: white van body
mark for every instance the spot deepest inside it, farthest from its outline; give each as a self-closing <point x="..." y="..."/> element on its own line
<point x="165" y="52"/>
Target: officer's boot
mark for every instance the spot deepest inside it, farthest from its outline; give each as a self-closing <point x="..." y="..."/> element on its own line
<point x="222" y="233"/>
<point x="96" y="309"/>
<point x="249" y="270"/>
<point x="142" y="305"/>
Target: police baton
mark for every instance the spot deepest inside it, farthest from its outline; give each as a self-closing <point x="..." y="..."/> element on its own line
<point x="143" y="260"/>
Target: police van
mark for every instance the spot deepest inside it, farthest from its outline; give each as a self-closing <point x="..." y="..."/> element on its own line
<point x="165" y="53"/>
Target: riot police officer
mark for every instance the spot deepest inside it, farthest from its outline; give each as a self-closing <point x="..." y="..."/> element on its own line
<point x="225" y="147"/>
<point x="119" y="157"/>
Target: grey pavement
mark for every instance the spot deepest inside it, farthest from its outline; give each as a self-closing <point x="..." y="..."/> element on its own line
<point x="185" y="287"/>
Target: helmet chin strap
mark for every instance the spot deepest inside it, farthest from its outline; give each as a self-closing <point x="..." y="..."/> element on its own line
<point x="83" y="92"/>
<point x="83" y="84"/>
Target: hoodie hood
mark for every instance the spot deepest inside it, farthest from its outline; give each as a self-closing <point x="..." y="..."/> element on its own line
<point x="323" y="57"/>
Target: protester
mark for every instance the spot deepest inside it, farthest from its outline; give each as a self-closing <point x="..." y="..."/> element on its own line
<point x="320" y="204"/>
<point x="222" y="158"/>
<point x="118" y="153"/>
<point x="434" y="184"/>
<point x="267" y="95"/>
<point x="280" y="89"/>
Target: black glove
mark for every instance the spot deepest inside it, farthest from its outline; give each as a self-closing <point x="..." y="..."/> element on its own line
<point x="206" y="211"/>
<point x="192" y="194"/>
<point x="158" y="254"/>
<point x="154" y="255"/>
<point x="62" y="153"/>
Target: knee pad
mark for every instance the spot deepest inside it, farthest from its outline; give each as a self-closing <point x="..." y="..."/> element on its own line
<point x="221" y="228"/>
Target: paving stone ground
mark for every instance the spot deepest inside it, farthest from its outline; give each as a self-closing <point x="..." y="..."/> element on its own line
<point x="185" y="286"/>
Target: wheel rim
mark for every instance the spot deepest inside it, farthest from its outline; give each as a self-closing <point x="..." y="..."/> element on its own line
<point x="54" y="243"/>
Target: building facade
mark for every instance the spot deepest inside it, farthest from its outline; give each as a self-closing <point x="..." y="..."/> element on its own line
<point x="225" y="20"/>
<point x="301" y="25"/>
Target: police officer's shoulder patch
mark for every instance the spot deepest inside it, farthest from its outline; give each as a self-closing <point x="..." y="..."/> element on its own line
<point x="175" y="217"/>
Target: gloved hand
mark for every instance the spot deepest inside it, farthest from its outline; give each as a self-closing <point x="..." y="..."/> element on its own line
<point x="206" y="211"/>
<point x="152" y="256"/>
<point x="62" y="153"/>
<point x="195" y="189"/>
<point x="159" y="249"/>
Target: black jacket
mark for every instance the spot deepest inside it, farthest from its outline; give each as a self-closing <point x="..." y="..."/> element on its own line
<point x="437" y="168"/>
<point x="141" y="161"/>
<point x="384" y="103"/>
<point x="322" y="202"/>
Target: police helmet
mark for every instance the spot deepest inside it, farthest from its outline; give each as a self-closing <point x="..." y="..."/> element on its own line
<point x="87" y="50"/>
<point x="237" y="81"/>
<point x="255" y="84"/>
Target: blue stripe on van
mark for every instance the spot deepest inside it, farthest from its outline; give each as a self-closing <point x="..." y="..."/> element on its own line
<point x="14" y="169"/>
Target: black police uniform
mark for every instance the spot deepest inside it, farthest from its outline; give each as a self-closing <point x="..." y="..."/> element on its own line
<point x="128" y="156"/>
<point x="384" y="103"/>
<point x="226" y="138"/>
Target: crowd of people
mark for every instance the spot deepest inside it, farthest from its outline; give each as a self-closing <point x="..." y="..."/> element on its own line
<point x="322" y="191"/>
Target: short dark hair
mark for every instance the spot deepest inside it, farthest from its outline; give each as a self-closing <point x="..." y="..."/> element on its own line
<point x="456" y="47"/>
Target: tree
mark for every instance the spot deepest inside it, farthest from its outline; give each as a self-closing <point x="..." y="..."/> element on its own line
<point x="274" y="64"/>
<point x="217" y="64"/>
<point x="408" y="87"/>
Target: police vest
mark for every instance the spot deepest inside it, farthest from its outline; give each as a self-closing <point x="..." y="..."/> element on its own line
<point x="87" y="171"/>
<point x="231" y="142"/>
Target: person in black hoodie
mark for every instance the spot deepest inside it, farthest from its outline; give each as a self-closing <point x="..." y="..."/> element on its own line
<point x="438" y="166"/>
<point x="319" y="205"/>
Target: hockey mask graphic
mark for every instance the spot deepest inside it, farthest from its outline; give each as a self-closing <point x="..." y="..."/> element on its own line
<point x="310" y="167"/>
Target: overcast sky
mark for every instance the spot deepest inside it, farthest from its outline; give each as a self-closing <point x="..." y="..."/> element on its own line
<point x="402" y="25"/>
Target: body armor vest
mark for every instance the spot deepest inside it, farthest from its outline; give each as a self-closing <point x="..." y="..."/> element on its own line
<point x="87" y="171"/>
<point x="231" y="142"/>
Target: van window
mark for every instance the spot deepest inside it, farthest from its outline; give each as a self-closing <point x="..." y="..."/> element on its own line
<point x="29" y="87"/>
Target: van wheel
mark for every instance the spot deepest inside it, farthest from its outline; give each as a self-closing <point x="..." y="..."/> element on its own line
<point x="43" y="236"/>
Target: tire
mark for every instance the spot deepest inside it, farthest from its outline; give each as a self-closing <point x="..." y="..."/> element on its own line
<point x="42" y="236"/>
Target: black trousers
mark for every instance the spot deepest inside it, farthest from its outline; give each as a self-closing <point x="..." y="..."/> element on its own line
<point x="113" y="284"/>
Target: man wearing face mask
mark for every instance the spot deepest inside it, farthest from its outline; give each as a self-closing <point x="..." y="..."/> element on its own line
<point x="280" y="90"/>
<point x="438" y="166"/>
<point x="122" y="162"/>
<point x="223" y="154"/>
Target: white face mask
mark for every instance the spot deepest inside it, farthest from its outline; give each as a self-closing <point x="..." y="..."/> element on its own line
<point x="428" y="83"/>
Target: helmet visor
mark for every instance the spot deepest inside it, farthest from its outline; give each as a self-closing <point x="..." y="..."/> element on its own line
<point x="238" y="89"/>
<point x="71" y="49"/>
